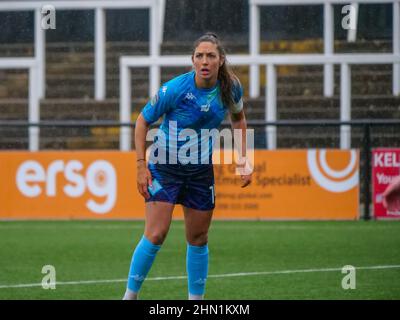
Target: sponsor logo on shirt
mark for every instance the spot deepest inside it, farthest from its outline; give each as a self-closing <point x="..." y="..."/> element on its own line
<point x="205" y="107"/>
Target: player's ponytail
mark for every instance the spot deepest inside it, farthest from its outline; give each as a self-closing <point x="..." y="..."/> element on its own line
<point x="226" y="76"/>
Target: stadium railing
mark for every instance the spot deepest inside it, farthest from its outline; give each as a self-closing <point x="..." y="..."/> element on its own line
<point x="156" y="7"/>
<point x="328" y="38"/>
<point x="33" y="102"/>
<point x="271" y="62"/>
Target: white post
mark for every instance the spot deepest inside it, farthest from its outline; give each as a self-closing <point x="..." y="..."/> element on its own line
<point x="329" y="81"/>
<point x="162" y="4"/>
<point x="396" y="47"/>
<point x="33" y="112"/>
<point x="40" y="54"/>
<point x="254" y="50"/>
<point x="100" y="60"/>
<point x="345" y="105"/>
<point x="124" y="106"/>
<point x="270" y="111"/>
<point x="352" y="33"/>
<point x="154" y="50"/>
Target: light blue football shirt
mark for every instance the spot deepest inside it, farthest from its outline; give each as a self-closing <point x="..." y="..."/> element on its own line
<point x="189" y="113"/>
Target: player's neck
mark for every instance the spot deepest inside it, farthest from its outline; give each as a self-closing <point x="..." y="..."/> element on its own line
<point x="205" y="83"/>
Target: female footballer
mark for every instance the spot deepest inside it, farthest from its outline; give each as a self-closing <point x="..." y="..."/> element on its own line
<point x="195" y="100"/>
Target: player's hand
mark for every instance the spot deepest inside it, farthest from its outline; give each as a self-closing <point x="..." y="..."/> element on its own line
<point x="246" y="180"/>
<point x="245" y="171"/>
<point x="391" y="196"/>
<point x="143" y="179"/>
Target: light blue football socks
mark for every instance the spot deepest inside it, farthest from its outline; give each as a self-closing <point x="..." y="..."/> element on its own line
<point x="142" y="260"/>
<point x="197" y="270"/>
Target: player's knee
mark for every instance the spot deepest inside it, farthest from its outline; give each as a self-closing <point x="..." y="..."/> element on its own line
<point x="157" y="237"/>
<point x="198" y="239"/>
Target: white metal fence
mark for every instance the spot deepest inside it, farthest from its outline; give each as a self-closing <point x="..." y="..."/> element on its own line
<point x="328" y="38"/>
<point x="156" y="7"/>
<point x="33" y="107"/>
<point x="37" y="72"/>
<point x="270" y="61"/>
<point x="36" y="65"/>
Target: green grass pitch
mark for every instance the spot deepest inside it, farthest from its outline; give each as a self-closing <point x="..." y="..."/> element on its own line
<point x="248" y="260"/>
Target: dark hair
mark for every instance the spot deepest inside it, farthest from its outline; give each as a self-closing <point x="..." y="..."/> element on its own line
<point x="226" y="76"/>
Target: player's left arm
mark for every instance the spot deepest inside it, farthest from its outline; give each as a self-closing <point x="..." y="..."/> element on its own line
<point x="238" y="122"/>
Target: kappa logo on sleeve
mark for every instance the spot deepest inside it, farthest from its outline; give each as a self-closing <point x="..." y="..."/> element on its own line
<point x="154" y="100"/>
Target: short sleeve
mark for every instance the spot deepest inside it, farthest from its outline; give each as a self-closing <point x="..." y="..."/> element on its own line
<point x="237" y="94"/>
<point x="159" y="104"/>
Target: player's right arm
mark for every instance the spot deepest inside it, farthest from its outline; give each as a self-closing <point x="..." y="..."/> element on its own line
<point x="159" y="104"/>
<point x="143" y="173"/>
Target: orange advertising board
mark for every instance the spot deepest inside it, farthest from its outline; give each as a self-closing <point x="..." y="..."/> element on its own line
<point x="287" y="184"/>
<point x="292" y="184"/>
<point x="69" y="185"/>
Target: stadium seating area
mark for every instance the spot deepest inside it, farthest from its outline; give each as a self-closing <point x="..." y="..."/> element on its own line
<point x="70" y="92"/>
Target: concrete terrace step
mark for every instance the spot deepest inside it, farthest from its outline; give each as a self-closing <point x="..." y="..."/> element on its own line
<point x="84" y="109"/>
<point x="318" y="107"/>
<point x="139" y="75"/>
<point x="85" y="57"/>
<point x="85" y="88"/>
<point x="302" y="89"/>
<point x="179" y="46"/>
<point x="13" y="109"/>
<point x="315" y="139"/>
<point x="68" y="62"/>
<point x="65" y="69"/>
<point x="320" y="101"/>
<point x="112" y="65"/>
<point x="319" y="68"/>
<point x="75" y="71"/>
<point x="75" y="109"/>
<point x="108" y="138"/>
<point x="364" y="46"/>
<point x="317" y="77"/>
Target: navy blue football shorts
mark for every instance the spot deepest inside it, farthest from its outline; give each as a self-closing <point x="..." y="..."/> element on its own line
<point x="190" y="185"/>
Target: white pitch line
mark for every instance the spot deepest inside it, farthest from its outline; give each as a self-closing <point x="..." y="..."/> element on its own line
<point x="227" y="275"/>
